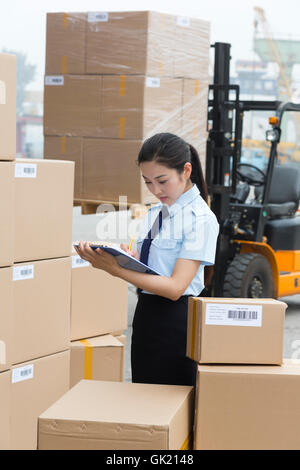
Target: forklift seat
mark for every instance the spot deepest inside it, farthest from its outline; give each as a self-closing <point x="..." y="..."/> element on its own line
<point x="283" y="227"/>
<point x="284" y="193"/>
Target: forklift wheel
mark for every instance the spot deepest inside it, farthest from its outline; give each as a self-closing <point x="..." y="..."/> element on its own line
<point x="249" y="275"/>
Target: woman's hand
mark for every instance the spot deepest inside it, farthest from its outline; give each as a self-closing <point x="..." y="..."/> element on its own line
<point x="98" y="258"/>
<point x="134" y="254"/>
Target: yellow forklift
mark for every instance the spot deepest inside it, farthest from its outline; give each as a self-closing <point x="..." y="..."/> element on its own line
<point x="258" y="251"/>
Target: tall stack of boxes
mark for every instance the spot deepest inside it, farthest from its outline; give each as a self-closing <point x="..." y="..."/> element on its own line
<point x="99" y="305"/>
<point x="35" y="275"/>
<point x="247" y="395"/>
<point x="114" y="79"/>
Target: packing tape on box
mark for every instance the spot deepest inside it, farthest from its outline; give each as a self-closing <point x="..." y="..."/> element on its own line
<point x="65" y="20"/>
<point x="63" y="144"/>
<point x="122" y="85"/>
<point x="88" y="359"/>
<point x="63" y="64"/>
<point x="187" y="443"/>
<point x="122" y="128"/>
<point x="196" y="87"/>
<point x="194" y="324"/>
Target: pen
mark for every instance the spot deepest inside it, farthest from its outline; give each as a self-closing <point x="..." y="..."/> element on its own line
<point x="130" y="244"/>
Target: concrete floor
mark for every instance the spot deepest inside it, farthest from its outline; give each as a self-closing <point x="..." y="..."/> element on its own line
<point x="118" y="228"/>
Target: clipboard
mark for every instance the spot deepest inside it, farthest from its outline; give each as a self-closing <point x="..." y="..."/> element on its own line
<point x="125" y="260"/>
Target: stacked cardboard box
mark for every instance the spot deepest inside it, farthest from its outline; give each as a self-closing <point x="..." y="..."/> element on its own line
<point x="99" y="415"/>
<point x="35" y="275"/>
<point x="41" y="286"/>
<point x="112" y="80"/>
<point x="98" y="319"/>
<point x="246" y="393"/>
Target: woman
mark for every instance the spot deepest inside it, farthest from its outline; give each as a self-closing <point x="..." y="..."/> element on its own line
<point x="178" y="239"/>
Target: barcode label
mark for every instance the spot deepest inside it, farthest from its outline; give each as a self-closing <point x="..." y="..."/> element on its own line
<point x="98" y="17"/>
<point x="183" y="21"/>
<point x="242" y="314"/>
<point x="2" y="92"/>
<point x="78" y="262"/>
<point x="152" y="82"/>
<point x="25" y="170"/>
<point x="22" y="373"/>
<point x="23" y="272"/>
<point x="54" y="80"/>
<point x="234" y="315"/>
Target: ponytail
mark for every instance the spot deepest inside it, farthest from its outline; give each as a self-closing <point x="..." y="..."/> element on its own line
<point x="198" y="178"/>
<point x="197" y="173"/>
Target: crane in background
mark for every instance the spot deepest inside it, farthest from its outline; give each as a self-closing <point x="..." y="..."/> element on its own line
<point x="285" y="53"/>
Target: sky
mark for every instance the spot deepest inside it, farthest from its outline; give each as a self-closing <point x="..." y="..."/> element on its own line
<point x="23" y="22"/>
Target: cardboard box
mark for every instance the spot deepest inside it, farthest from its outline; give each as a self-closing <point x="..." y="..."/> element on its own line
<point x="236" y="331"/>
<point x="72" y="105"/>
<point x="8" y="87"/>
<point x="136" y="107"/>
<point x="147" y="42"/>
<point x="5" y="409"/>
<point x="135" y="42"/>
<point x="248" y="407"/>
<point x="194" y="112"/>
<point x="35" y="386"/>
<point x="43" y="209"/>
<point x="6" y="317"/>
<point x="110" y="171"/>
<point x="41" y="308"/>
<point x="69" y="149"/>
<point x="115" y="106"/>
<point x="99" y="358"/>
<point x="99" y="302"/>
<point x="191" y="48"/>
<point x="7" y="213"/>
<point x="128" y="416"/>
<point x="65" y="43"/>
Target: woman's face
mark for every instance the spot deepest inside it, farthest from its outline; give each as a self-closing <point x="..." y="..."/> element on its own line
<point x="165" y="183"/>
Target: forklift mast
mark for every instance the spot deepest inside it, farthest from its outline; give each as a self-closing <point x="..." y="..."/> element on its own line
<point x="239" y="221"/>
<point x="223" y="154"/>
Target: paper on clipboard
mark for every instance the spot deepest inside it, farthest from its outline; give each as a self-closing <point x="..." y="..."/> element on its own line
<point x="125" y="260"/>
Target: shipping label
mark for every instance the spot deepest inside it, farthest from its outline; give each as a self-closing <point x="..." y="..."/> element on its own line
<point x="183" y="21"/>
<point x="78" y="262"/>
<point x="22" y="373"/>
<point x="2" y="92"/>
<point x="20" y="273"/>
<point x="98" y="17"/>
<point x="25" y="170"/>
<point x="152" y="82"/>
<point x="233" y="315"/>
<point x="54" y="80"/>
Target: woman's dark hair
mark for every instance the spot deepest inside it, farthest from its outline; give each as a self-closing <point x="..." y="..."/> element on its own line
<point x="173" y="152"/>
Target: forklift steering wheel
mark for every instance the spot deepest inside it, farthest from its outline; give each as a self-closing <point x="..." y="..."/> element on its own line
<point x="248" y="176"/>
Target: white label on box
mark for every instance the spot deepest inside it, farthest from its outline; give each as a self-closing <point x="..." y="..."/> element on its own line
<point x="78" y="262"/>
<point x="25" y="170"/>
<point x="21" y="273"/>
<point x="97" y="17"/>
<point x="22" y="373"/>
<point x="183" y="21"/>
<point x="54" y="80"/>
<point x="233" y="315"/>
<point x="2" y="92"/>
<point x="152" y="82"/>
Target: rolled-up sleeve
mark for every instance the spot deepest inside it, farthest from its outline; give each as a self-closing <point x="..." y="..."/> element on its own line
<point x="200" y="239"/>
